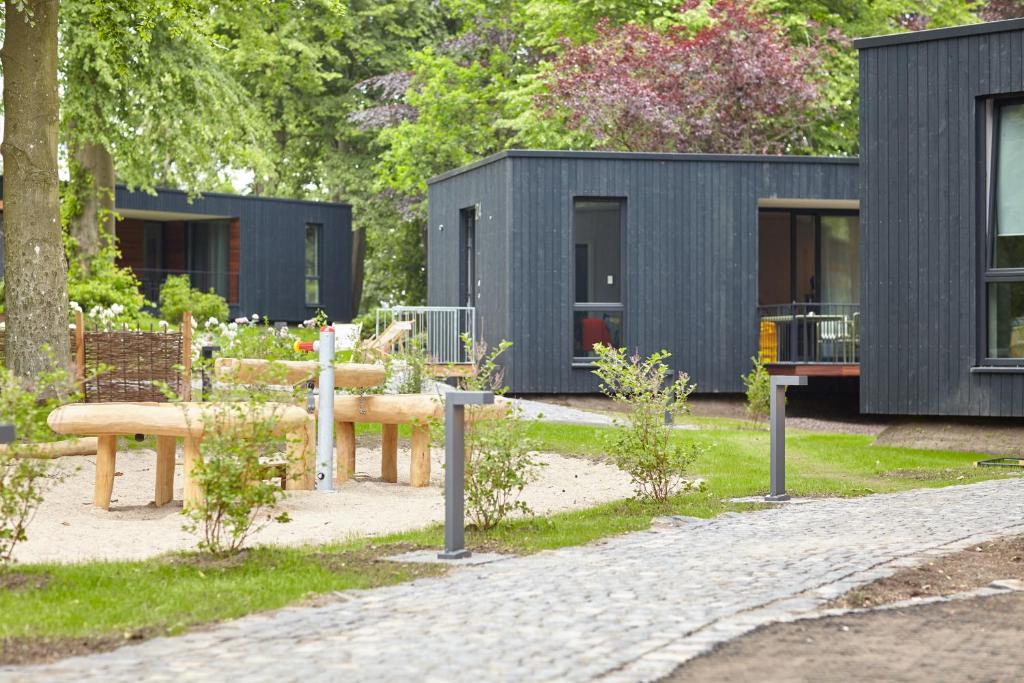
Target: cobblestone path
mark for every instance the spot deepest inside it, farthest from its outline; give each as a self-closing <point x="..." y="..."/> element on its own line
<point x="629" y="609"/>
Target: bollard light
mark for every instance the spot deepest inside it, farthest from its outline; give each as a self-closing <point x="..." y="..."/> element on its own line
<point x="7" y="434"/>
<point x="777" y="401"/>
<point x="455" y="469"/>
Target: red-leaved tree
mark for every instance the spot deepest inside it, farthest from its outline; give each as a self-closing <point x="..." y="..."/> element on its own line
<point x="736" y="84"/>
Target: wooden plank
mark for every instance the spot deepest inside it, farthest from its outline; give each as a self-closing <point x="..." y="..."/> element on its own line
<point x="815" y="370"/>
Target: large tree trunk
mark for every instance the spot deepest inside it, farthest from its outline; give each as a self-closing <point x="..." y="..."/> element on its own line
<point x="34" y="265"/>
<point x="358" y="268"/>
<point x="97" y="197"/>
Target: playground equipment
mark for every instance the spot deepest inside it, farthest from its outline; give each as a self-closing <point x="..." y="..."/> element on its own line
<point x="168" y="422"/>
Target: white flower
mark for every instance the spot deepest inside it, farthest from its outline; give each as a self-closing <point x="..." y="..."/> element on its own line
<point x="73" y="305"/>
<point x="255" y="316"/>
<point x="194" y="323"/>
<point x="212" y="322"/>
<point x="241" y="321"/>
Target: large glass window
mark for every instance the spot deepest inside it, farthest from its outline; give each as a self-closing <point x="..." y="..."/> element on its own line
<point x="313" y="264"/>
<point x="597" y="279"/>
<point x="208" y="247"/>
<point x="1004" y="275"/>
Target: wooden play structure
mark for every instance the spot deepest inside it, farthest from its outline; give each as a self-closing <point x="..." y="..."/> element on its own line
<point x="395" y="334"/>
<point x="390" y="411"/>
<point x="168" y="422"/>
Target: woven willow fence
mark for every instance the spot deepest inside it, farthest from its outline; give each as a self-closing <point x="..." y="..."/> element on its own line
<point x="130" y="365"/>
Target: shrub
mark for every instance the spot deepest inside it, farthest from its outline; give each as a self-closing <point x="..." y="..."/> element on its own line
<point x="406" y="371"/>
<point x="25" y="405"/>
<point x="104" y="286"/>
<point x="501" y="462"/>
<point x="758" y="384"/>
<point x="177" y="297"/>
<point x="643" y="446"/>
<point x="239" y="437"/>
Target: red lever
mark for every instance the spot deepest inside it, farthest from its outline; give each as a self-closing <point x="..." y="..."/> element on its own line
<point x="303" y="346"/>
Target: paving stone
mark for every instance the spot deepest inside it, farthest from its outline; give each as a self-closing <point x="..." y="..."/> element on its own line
<point x="627" y="609"/>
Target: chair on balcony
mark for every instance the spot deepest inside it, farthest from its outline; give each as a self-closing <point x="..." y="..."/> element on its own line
<point x="394" y="334"/>
<point x="594" y="331"/>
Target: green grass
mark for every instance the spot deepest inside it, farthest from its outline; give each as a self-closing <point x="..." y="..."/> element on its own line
<point x="169" y="594"/>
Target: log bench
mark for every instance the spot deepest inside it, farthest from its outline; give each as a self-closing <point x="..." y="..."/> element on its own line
<point x="168" y="422"/>
<point x="254" y="370"/>
<point x="390" y="411"/>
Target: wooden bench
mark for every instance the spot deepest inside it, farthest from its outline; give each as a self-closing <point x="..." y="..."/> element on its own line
<point x="390" y="411"/>
<point x="168" y="422"/>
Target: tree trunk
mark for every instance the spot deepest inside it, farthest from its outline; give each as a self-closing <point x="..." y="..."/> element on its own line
<point x="34" y="265"/>
<point x="358" y="268"/>
<point x="96" y="217"/>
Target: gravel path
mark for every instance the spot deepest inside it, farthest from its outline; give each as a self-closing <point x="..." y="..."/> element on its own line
<point x="629" y="609"/>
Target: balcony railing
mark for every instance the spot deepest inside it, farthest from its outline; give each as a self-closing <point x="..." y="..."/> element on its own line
<point x="438" y="329"/>
<point x="222" y="282"/>
<point x="810" y="333"/>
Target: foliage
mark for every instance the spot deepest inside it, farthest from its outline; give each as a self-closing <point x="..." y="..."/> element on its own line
<point x="758" y="385"/>
<point x="25" y="404"/>
<point x="643" y="446"/>
<point x="177" y="296"/>
<point x="500" y="463"/>
<point x="240" y="438"/>
<point x="732" y="83"/>
<point x="487" y="374"/>
<point x="252" y="338"/>
<point x="102" y="284"/>
<point x="406" y="370"/>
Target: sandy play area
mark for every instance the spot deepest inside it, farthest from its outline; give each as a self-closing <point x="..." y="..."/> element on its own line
<point x="68" y="528"/>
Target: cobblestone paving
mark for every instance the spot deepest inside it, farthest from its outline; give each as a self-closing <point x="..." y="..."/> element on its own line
<point x="629" y="609"/>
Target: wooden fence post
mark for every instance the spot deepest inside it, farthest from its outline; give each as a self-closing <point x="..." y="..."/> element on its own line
<point x="186" y="356"/>
<point x="80" y="351"/>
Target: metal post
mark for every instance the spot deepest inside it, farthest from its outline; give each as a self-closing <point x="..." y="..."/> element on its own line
<point x="778" y="434"/>
<point x="455" y="469"/>
<point x="7" y="434"/>
<point x="325" y="419"/>
<point x="207" y="355"/>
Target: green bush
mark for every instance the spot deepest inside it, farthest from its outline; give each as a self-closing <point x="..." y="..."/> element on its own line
<point x="643" y="446"/>
<point x="177" y="297"/>
<point x="25" y="404"/>
<point x="758" y="384"/>
<point x="501" y="462"/>
<point x="103" y="286"/>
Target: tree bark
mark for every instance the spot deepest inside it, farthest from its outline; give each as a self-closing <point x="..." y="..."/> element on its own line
<point x="34" y="265"/>
<point x="96" y="217"/>
<point x="358" y="268"/>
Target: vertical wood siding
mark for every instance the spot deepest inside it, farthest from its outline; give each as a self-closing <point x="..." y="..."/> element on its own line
<point x="690" y="280"/>
<point x="921" y="230"/>
<point x="271" y="248"/>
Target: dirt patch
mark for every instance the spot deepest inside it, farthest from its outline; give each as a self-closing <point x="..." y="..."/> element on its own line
<point x="13" y="581"/>
<point x="18" y="651"/>
<point x="962" y="640"/>
<point x="992" y="436"/>
<point x="371" y="561"/>
<point x="958" y="572"/>
<point x="943" y="474"/>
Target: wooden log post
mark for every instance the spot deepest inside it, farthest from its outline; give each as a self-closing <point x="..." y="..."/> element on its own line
<point x="165" y="448"/>
<point x="420" y="472"/>
<point x="193" y="490"/>
<point x="345" y="462"/>
<point x="106" y="462"/>
<point x="80" y="352"/>
<point x="389" y="453"/>
<point x="301" y="456"/>
<point x="54" y="449"/>
<point x="186" y="356"/>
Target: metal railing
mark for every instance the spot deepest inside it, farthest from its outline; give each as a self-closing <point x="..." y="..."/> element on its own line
<point x="222" y="282"/>
<point x="810" y="333"/>
<point x="439" y="329"/>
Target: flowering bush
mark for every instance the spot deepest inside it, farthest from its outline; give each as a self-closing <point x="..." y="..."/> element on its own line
<point x="177" y="296"/>
<point x="103" y="286"/>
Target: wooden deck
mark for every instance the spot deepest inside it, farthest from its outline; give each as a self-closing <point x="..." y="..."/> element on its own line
<point x="815" y="369"/>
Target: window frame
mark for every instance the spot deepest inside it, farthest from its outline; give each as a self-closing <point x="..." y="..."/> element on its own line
<point x="574" y="306"/>
<point x="989" y="142"/>
<point x="318" y="259"/>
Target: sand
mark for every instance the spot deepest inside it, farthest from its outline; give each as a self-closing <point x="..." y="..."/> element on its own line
<point x="67" y="528"/>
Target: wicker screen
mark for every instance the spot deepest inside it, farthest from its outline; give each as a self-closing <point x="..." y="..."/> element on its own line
<point x="134" y="361"/>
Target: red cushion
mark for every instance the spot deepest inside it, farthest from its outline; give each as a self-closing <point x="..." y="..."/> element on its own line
<point x="594" y="331"/>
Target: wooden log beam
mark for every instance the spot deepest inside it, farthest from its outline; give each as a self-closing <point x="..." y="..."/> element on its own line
<point x="404" y="409"/>
<point x="346" y="450"/>
<point x="253" y="370"/>
<point x="389" y="453"/>
<point x="106" y="463"/>
<point x="420" y="472"/>
<point x="165" y="447"/>
<point x="54" y="449"/>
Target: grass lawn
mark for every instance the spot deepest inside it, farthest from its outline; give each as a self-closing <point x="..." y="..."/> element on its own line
<point x="170" y="594"/>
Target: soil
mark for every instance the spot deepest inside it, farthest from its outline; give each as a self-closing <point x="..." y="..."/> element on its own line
<point x="17" y="651"/>
<point x="977" y="639"/>
<point x="992" y="436"/>
<point x="958" y="572"/>
<point x="17" y="581"/>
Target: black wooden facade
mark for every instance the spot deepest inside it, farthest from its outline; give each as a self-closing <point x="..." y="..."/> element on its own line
<point x="689" y="261"/>
<point x="924" y="217"/>
<point x="271" y="256"/>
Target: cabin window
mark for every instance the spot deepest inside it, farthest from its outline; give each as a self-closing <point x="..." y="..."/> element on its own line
<point x="1004" y="272"/>
<point x="313" y="236"/>
<point x="597" y="275"/>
